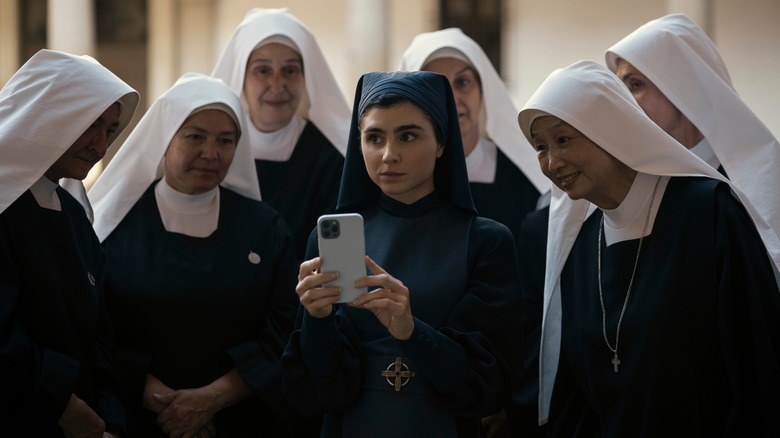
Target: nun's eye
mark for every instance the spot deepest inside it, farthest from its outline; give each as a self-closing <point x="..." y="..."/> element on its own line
<point x="635" y="84"/>
<point x="372" y="139"/>
<point x="407" y="137"/>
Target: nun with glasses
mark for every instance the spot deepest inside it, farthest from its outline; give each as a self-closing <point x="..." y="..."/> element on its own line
<point x="200" y="273"/>
<point x="296" y="117"/>
<point x="59" y="113"/>
<point x="430" y="349"/>
<point x="661" y="301"/>
<point x="504" y="178"/>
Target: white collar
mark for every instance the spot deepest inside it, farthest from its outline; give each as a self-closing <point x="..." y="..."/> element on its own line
<point x="704" y="151"/>
<point x="192" y="215"/>
<point x="627" y="221"/>
<point x="277" y="145"/>
<point x="45" y="192"/>
<point x="481" y="162"/>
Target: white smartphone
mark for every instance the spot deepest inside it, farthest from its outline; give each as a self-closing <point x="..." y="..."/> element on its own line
<point x="342" y="247"/>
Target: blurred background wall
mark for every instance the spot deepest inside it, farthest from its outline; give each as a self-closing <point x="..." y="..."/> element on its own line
<point x="150" y="43"/>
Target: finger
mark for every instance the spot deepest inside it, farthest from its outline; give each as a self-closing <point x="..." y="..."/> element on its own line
<point x="309" y="267"/>
<point x="392" y="303"/>
<point x="314" y="281"/>
<point x="212" y="428"/>
<point x="320" y="306"/>
<point x="374" y="267"/>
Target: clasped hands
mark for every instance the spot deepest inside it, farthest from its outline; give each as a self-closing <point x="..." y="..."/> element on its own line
<point x="184" y="413"/>
<point x="388" y="298"/>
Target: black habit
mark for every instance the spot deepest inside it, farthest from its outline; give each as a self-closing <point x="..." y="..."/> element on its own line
<point x="55" y="336"/>
<point x="304" y="187"/>
<point x="188" y="309"/>
<point x="700" y="338"/>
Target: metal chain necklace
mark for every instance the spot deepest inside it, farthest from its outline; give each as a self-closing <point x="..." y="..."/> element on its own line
<point x="615" y="360"/>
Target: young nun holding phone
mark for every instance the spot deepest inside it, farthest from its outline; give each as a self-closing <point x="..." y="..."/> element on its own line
<point x="661" y="307"/>
<point x="429" y="350"/>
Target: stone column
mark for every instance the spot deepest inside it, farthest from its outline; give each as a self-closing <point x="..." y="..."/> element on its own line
<point x="162" y="42"/>
<point x="70" y="26"/>
<point x="9" y="39"/>
<point x="700" y="11"/>
<point x="196" y="36"/>
<point x="368" y="36"/>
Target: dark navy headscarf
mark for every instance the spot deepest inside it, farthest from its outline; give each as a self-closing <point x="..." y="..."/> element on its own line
<point x="432" y="93"/>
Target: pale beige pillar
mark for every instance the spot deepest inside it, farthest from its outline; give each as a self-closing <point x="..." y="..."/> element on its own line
<point x="368" y="39"/>
<point x="196" y="36"/>
<point x="70" y="26"/>
<point x="700" y="11"/>
<point x="9" y="39"/>
<point x="162" y="42"/>
<point x="181" y="39"/>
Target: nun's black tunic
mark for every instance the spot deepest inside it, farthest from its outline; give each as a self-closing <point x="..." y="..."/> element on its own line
<point x="304" y="187"/>
<point x="189" y="309"/>
<point x="700" y="339"/>
<point x="55" y="338"/>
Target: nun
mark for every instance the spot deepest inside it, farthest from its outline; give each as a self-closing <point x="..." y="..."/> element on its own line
<point x="296" y="117"/>
<point x="429" y="350"/>
<point x="59" y="113"/>
<point x="504" y="178"/>
<point x="200" y="273"/>
<point x="661" y="302"/>
<point x="677" y="76"/>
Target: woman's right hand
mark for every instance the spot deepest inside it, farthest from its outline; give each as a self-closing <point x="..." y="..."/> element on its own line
<point x="154" y="386"/>
<point x="317" y="300"/>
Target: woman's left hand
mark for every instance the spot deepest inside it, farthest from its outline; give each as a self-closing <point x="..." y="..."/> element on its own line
<point x="188" y="411"/>
<point x="389" y="302"/>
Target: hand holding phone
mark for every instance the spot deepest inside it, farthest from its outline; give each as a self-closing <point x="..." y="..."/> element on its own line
<point x="341" y="244"/>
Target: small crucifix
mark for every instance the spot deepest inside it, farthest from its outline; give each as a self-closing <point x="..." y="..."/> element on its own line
<point x="397" y="374"/>
<point x="615" y="362"/>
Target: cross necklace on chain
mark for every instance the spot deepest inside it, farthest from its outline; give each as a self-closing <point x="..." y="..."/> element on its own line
<point x="615" y="359"/>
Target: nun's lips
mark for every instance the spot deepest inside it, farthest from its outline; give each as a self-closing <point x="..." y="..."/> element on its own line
<point x="206" y="170"/>
<point x="391" y="175"/>
<point x="567" y="180"/>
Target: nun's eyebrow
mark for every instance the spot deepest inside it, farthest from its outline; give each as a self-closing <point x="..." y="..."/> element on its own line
<point x="535" y="133"/>
<point x="409" y="127"/>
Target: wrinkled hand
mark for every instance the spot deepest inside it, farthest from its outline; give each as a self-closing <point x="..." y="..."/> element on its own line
<point x="317" y="300"/>
<point x="153" y="386"/>
<point x="389" y="302"/>
<point x="188" y="411"/>
<point x="210" y="431"/>
<point x="80" y="421"/>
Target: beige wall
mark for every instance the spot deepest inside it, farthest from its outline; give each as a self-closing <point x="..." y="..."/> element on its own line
<point x="748" y="37"/>
<point x="539" y="37"/>
<point x="547" y="35"/>
<point x="9" y="43"/>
